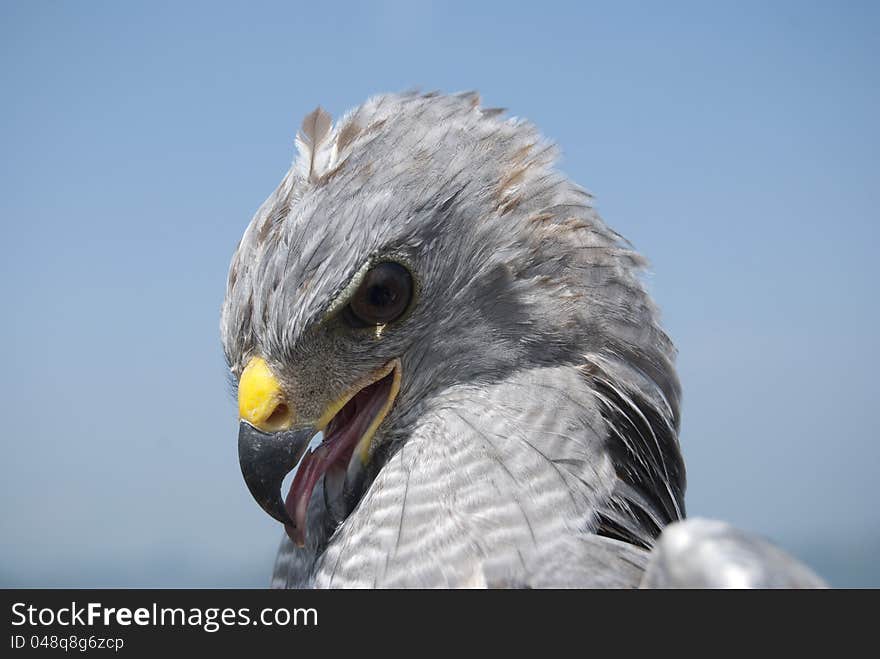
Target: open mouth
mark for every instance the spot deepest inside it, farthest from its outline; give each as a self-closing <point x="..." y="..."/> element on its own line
<point x="344" y="451"/>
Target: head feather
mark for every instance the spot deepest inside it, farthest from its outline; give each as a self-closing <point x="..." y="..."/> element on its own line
<point x="312" y="136"/>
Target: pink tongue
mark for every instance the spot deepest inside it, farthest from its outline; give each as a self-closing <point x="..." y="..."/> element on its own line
<point x="337" y="447"/>
<point x="297" y="502"/>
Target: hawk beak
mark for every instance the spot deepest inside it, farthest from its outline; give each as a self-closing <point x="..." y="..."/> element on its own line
<point x="267" y="447"/>
<point x="265" y="459"/>
<point x="271" y="443"/>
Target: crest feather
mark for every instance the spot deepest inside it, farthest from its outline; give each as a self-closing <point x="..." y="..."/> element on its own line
<point x="313" y="133"/>
<point x="347" y="135"/>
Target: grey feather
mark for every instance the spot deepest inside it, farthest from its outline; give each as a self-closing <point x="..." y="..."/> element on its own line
<point x="313" y="132"/>
<point x="347" y="135"/>
<point x="701" y="553"/>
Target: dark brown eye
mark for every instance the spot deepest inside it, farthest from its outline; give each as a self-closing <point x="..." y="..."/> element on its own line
<point x="382" y="297"/>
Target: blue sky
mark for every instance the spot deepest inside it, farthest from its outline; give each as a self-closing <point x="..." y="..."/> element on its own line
<point x="735" y="144"/>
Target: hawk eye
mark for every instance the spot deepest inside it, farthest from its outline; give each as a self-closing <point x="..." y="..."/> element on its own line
<point x="382" y="297"/>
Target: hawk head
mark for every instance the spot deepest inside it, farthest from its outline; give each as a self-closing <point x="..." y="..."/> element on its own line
<point x="421" y="256"/>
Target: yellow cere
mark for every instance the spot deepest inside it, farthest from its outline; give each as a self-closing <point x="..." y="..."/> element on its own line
<point x="260" y="398"/>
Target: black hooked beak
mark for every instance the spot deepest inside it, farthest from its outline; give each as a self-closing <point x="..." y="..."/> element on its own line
<point x="265" y="459"/>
